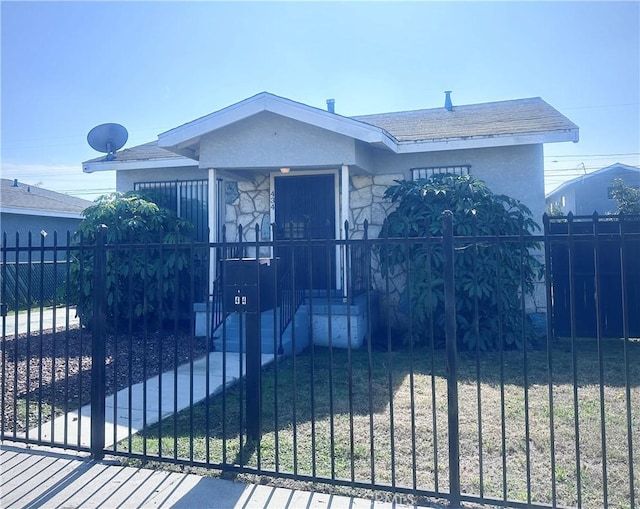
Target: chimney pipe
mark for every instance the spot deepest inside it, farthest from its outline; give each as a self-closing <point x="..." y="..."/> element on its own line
<point x="331" y="105"/>
<point x="447" y="101"/>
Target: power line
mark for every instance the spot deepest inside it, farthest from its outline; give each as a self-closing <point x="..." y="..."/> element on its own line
<point x="598" y="106"/>
<point x="571" y="171"/>
<point x="577" y="156"/>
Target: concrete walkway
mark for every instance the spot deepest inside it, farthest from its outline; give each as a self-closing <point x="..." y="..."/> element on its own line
<point x="43" y="477"/>
<point x="162" y="400"/>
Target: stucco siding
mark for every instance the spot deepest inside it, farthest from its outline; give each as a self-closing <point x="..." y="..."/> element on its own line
<point x="271" y="141"/>
<point x="366" y="157"/>
<point x="516" y="171"/>
<point x="23" y="224"/>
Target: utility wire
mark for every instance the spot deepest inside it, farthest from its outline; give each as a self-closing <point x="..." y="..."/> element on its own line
<point x="578" y="156"/>
<point x="598" y="106"/>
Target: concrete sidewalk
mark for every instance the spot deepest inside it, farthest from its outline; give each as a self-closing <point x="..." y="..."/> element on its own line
<point x="50" y="478"/>
<point x="30" y="320"/>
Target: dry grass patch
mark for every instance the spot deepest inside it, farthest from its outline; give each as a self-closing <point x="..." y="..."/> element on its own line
<point x="383" y="419"/>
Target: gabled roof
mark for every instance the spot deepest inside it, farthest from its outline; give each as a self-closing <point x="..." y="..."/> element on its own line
<point x="184" y="138"/>
<point x="36" y="201"/>
<point x="494" y="124"/>
<point x="582" y="178"/>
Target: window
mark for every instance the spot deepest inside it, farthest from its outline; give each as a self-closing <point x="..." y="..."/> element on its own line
<point x="187" y="198"/>
<point x="423" y="173"/>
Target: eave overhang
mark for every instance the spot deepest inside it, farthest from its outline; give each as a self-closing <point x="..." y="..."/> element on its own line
<point x="41" y="213"/>
<point x="132" y="164"/>
<point x="471" y="142"/>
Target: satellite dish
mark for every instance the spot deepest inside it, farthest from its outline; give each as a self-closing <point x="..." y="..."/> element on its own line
<point x="108" y="138"/>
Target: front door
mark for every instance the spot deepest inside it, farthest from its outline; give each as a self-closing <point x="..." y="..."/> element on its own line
<point x="305" y="209"/>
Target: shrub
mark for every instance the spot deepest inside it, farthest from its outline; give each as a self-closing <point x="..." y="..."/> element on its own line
<point x="145" y="276"/>
<point x="628" y="198"/>
<point x="489" y="276"/>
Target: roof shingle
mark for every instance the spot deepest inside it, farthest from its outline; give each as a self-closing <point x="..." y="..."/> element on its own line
<point x="475" y="120"/>
<point x="145" y="152"/>
<point x="26" y="197"/>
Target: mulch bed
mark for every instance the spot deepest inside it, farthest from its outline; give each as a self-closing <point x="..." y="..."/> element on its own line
<point x="53" y="369"/>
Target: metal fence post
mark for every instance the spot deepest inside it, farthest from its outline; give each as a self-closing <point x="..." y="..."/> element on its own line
<point x="452" y="354"/>
<point x="253" y="375"/>
<point x="98" y="347"/>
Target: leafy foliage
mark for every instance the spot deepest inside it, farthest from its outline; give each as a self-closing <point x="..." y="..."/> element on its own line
<point x="554" y="209"/>
<point x="628" y="198"/>
<point x="148" y="266"/>
<point x="490" y="276"/>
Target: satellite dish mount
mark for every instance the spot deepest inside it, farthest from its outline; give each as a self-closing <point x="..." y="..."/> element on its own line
<point x="108" y="138"/>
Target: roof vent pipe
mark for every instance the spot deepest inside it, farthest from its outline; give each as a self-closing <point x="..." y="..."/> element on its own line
<point x="447" y="101"/>
<point x="331" y="105"/>
<point x="15" y="183"/>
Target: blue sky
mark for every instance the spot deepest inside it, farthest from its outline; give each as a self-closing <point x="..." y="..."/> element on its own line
<point x="68" y="66"/>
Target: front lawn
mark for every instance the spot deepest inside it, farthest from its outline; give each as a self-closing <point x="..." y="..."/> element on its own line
<point x="384" y="417"/>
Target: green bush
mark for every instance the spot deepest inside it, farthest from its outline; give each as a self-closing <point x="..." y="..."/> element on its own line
<point x="489" y="276"/>
<point x="147" y="270"/>
<point x="628" y="198"/>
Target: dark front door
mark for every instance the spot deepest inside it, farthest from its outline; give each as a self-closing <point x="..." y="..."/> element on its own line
<point x="305" y="209"/>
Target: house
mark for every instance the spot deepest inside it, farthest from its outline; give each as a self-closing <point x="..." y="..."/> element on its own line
<point x="25" y="208"/>
<point x="268" y="159"/>
<point x="591" y="193"/>
<point x="49" y="217"/>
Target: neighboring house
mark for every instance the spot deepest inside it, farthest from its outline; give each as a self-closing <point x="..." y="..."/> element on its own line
<point x="49" y="217"/>
<point x="591" y="193"/>
<point x="25" y="208"/>
<point x="268" y="159"/>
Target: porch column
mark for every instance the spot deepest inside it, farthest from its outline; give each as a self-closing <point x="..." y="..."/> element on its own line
<point x="344" y="216"/>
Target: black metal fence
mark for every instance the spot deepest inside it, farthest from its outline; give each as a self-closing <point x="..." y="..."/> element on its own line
<point x="31" y="271"/>
<point x="595" y="272"/>
<point x="355" y="393"/>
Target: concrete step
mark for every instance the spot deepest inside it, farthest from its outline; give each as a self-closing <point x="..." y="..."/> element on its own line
<point x="346" y="324"/>
<point x="232" y="334"/>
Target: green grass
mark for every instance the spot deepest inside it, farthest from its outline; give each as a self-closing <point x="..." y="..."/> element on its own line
<point x="319" y="392"/>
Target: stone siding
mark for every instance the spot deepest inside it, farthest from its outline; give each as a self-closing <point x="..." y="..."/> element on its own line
<point x="367" y="202"/>
<point x="247" y="204"/>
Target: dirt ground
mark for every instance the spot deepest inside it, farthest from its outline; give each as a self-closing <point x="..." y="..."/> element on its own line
<point x="52" y="372"/>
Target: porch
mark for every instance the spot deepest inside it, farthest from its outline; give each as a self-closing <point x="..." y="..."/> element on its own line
<point x="323" y="321"/>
